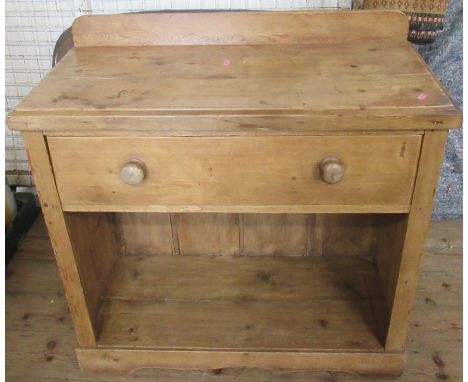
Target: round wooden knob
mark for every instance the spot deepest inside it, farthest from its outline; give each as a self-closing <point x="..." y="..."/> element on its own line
<point x="331" y="170"/>
<point x="133" y="172"/>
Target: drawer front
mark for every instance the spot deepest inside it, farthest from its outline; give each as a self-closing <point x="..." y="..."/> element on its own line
<point x="203" y="173"/>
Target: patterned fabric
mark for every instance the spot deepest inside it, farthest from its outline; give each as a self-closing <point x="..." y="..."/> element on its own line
<point x="426" y="17"/>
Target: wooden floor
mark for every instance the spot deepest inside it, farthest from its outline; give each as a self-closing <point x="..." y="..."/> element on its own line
<point x="40" y="341"/>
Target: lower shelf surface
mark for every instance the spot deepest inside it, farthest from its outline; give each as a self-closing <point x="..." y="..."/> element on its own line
<point x="243" y="303"/>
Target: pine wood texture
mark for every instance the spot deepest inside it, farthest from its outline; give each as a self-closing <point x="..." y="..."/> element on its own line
<point x="144" y="233"/>
<point x="156" y="234"/>
<point x="241" y="278"/>
<point x="81" y="296"/>
<point x="235" y="171"/>
<point x="206" y="234"/>
<point x="275" y="234"/>
<point x="243" y="303"/>
<point x="231" y="116"/>
<point x="432" y="154"/>
<point x="389" y="234"/>
<point x="95" y="246"/>
<point x="318" y="81"/>
<point x="237" y="28"/>
<point x="40" y="339"/>
<point x="125" y="361"/>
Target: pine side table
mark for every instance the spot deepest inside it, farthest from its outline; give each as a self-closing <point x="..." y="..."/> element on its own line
<point x="238" y="189"/>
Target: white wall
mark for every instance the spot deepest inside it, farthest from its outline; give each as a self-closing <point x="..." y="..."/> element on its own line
<point x="33" y="27"/>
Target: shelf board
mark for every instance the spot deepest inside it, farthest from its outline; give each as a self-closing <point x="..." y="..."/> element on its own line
<point x="243" y="303"/>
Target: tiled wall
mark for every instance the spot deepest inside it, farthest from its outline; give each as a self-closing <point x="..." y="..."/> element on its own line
<point x="33" y="27"/>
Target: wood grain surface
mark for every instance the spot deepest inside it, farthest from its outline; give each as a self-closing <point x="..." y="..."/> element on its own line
<point x="257" y="89"/>
<point x="80" y="290"/>
<point x="40" y="340"/>
<point x="124" y="361"/>
<point x="242" y="302"/>
<point x="174" y="95"/>
<point x="238" y="28"/>
<point x="432" y="154"/>
<point x="212" y="234"/>
<point x="237" y="172"/>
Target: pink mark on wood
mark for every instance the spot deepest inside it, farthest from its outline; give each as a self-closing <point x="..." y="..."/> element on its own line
<point x="227" y="62"/>
<point x="422" y="96"/>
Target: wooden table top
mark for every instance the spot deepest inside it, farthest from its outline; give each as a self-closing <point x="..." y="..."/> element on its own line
<point x="360" y="84"/>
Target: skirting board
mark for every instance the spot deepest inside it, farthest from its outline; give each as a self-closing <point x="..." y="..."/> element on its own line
<point x="123" y="361"/>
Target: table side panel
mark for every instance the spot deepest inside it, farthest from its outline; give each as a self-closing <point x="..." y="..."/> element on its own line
<point x="404" y="282"/>
<point x="82" y="299"/>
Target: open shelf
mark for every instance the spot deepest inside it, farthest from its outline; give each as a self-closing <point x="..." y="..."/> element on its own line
<point x="242" y="302"/>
